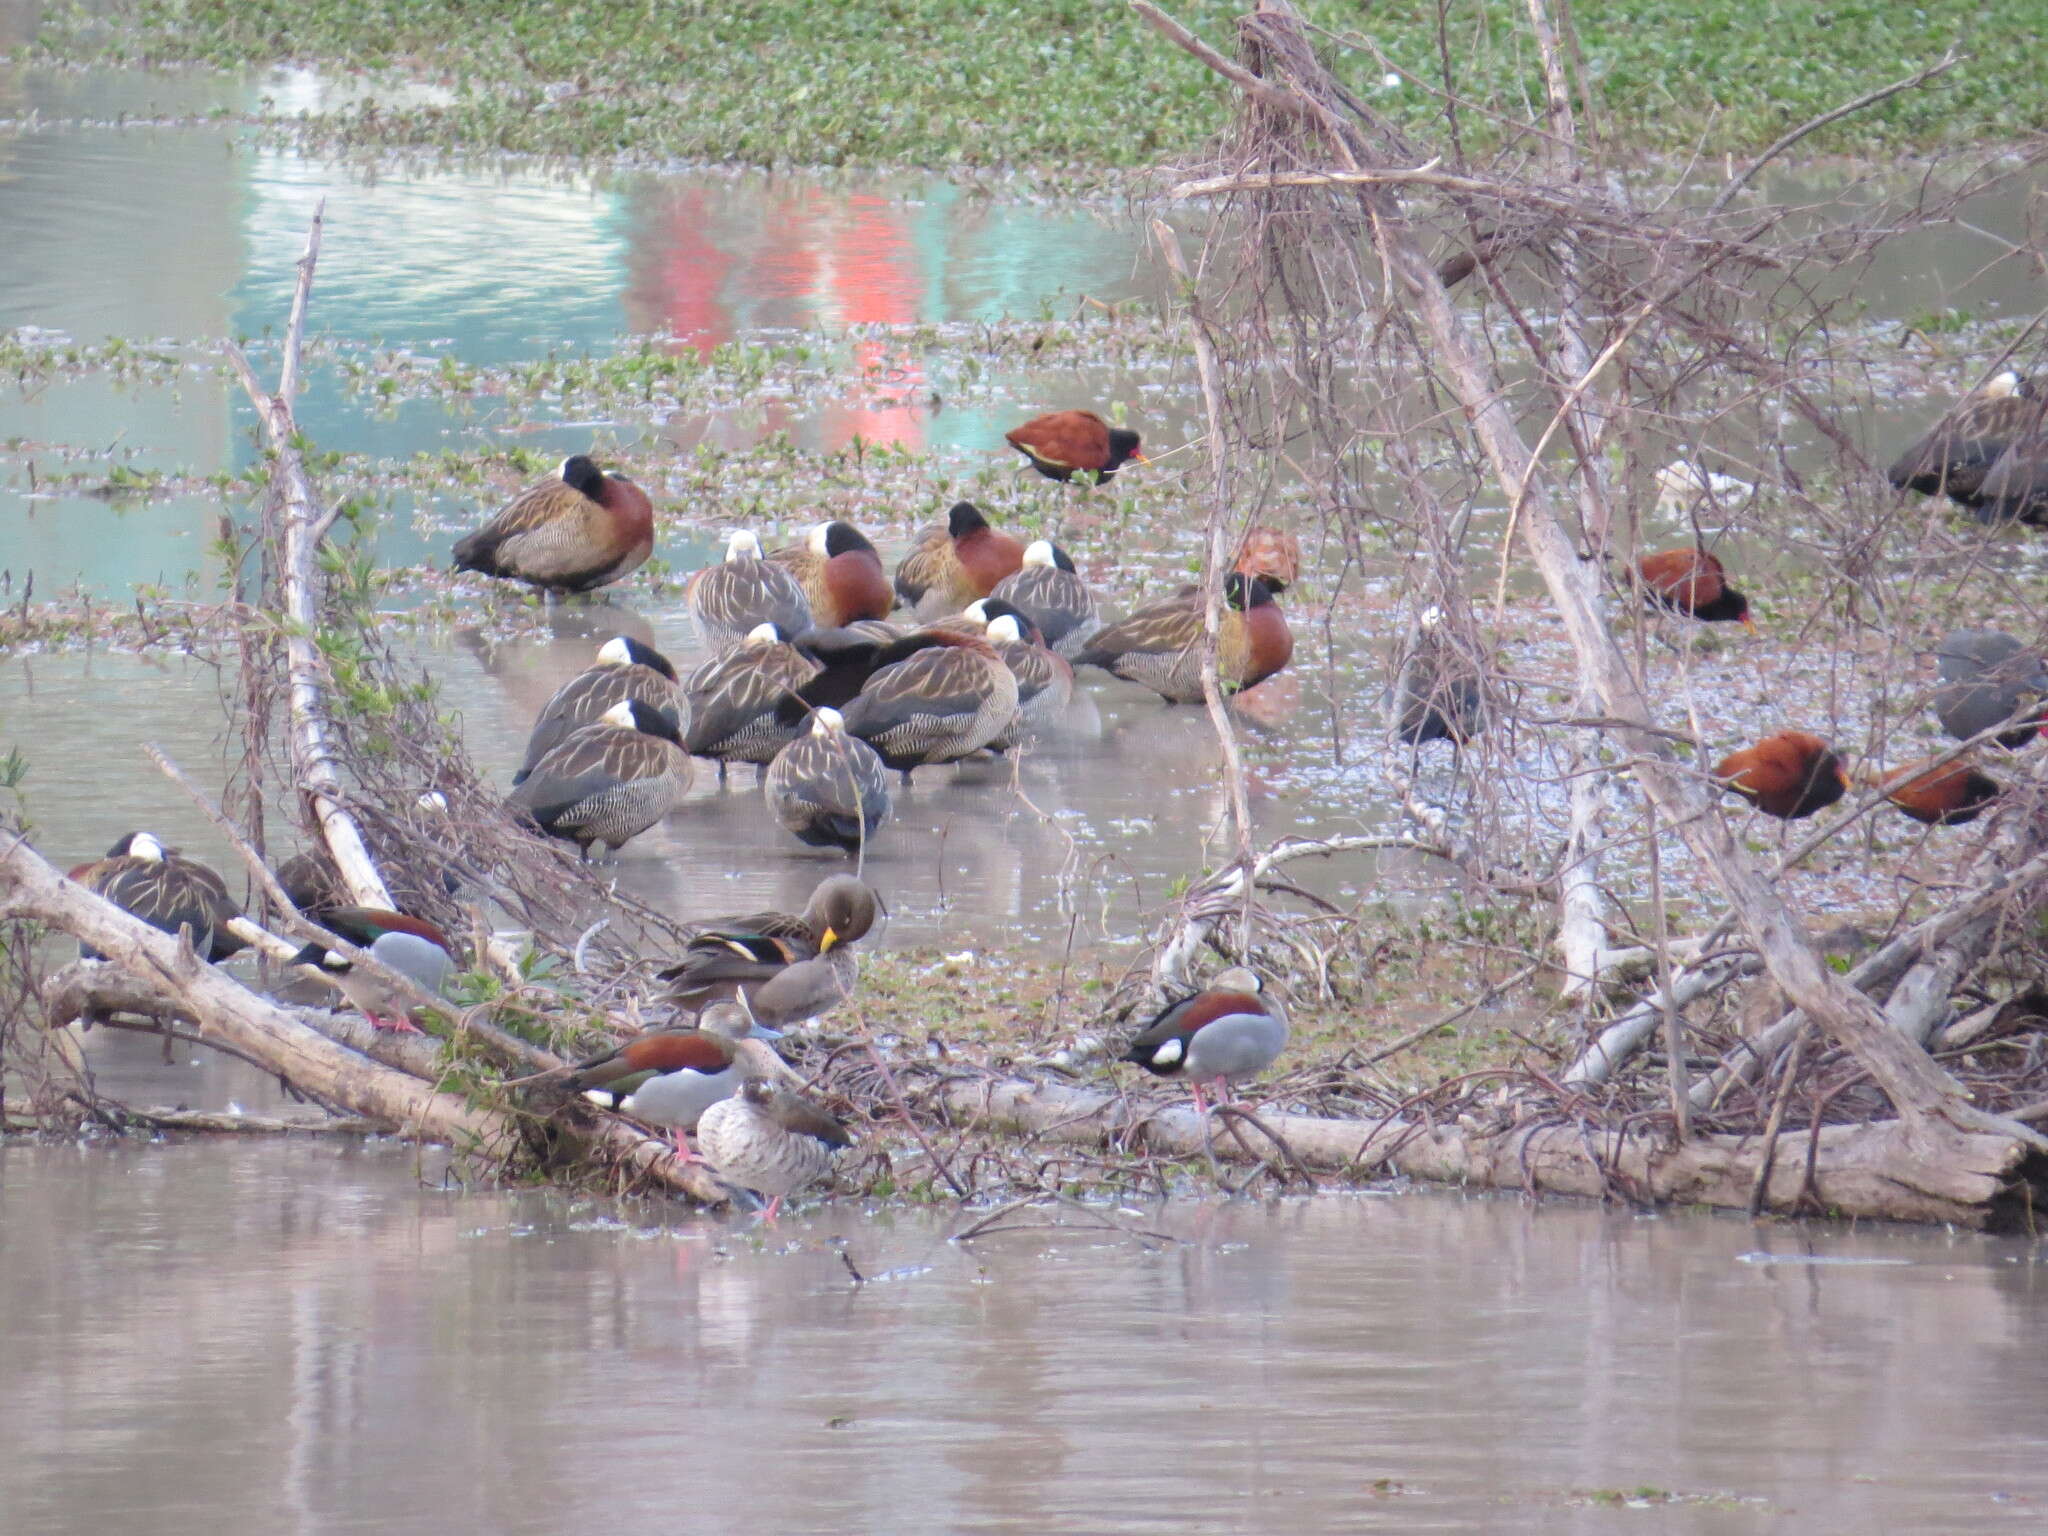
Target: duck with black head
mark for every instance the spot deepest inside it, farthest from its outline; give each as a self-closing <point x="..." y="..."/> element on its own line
<point x="575" y="531"/>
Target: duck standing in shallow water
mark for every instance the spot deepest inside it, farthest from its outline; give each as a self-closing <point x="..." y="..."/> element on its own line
<point x="1790" y="775"/>
<point x="1436" y="694"/>
<point x="952" y="566"/>
<point x="167" y="891"/>
<point x="1061" y="444"/>
<point x="625" y="669"/>
<point x="742" y="592"/>
<point x="411" y="946"/>
<point x="937" y="696"/>
<point x="841" y="575"/>
<point x="575" y="531"/>
<point x="1222" y="1035"/>
<point x="827" y="788"/>
<point x="1161" y="646"/>
<point x="669" y="1077"/>
<point x="734" y="701"/>
<point x="771" y="1141"/>
<point x="607" y="782"/>
<point x="1048" y="591"/>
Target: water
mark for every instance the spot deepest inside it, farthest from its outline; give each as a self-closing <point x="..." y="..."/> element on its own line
<point x="315" y="1336"/>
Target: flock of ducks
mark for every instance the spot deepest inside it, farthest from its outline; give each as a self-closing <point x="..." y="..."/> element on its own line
<point x="814" y="680"/>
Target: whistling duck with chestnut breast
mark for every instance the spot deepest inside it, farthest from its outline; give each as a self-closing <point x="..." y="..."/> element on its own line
<point x="1958" y="456"/>
<point x="1944" y="796"/>
<point x="841" y="575"/>
<point x="828" y="788"/>
<point x="625" y="669"/>
<point x="934" y="696"/>
<point x="1061" y="444"/>
<point x="781" y="963"/>
<point x="1220" y="1036"/>
<point x="669" y="1077"/>
<point x="1045" y="681"/>
<point x="608" y="782"/>
<point x="1987" y="678"/>
<point x="166" y="890"/>
<point x="1437" y="694"/>
<point x="1161" y="646"/>
<point x="411" y="946"/>
<point x="949" y="570"/>
<point x="1694" y="583"/>
<point x="742" y="592"/>
<point x="771" y="1141"/>
<point x="1051" y="594"/>
<point x="577" y="530"/>
<point x="1790" y="775"/>
<point x="734" y="698"/>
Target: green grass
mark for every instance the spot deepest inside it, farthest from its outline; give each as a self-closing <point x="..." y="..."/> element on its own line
<point x="946" y="84"/>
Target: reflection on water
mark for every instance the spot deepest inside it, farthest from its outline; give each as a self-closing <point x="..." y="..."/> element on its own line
<point x="297" y="1337"/>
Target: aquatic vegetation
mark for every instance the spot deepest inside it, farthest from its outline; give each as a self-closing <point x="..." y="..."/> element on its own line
<point x="942" y="83"/>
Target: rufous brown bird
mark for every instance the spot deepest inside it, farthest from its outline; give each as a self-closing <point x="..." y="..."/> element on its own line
<point x="1161" y="646"/>
<point x="1694" y="583"/>
<point x="1061" y="444"/>
<point x="841" y="575"/>
<point x="950" y="568"/>
<point x="1944" y="796"/>
<point x="1789" y="775"/>
<point x="576" y="530"/>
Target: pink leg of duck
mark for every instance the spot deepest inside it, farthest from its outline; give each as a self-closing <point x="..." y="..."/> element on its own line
<point x="1201" y="1108"/>
<point x="399" y="1024"/>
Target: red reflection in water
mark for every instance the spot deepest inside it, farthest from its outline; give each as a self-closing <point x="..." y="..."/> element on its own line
<point x="711" y="264"/>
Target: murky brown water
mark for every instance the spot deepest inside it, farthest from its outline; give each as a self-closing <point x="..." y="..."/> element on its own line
<point x="298" y="1338"/>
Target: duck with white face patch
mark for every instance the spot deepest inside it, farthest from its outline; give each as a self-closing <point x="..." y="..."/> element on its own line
<point x="166" y="890"/>
<point x="608" y="781"/>
<point x="625" y="669"/>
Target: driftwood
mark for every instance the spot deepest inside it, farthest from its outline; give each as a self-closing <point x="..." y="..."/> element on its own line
<point x="1882" y="1169"/>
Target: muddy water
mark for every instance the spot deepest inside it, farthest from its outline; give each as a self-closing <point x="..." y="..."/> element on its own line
<point x="303" y="1338"/>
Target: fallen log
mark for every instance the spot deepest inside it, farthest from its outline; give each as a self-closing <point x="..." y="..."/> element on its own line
<point x="1884" y="1169"/>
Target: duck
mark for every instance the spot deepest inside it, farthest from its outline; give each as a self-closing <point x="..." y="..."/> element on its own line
<point x="575" y="531"/>
<point x="951" y="567"/>
<point x="1789" y="775"/>
<point x="2016" y="489"/>
<point x="1045" y="680"/>
<point x="1048" y="591"/>
<point x="1944" y="795"/>
<point x="1221" y="1035"/>
<point x="771" y="1141"/>
<point x="1061" y="444"/>
<point x="740" y="957"/>
<point x="313" y="885"/>
<point x="1694" y="583"/>
<point x="1959" y="453"/>
<point x="669" y="1077"/>
<point x="1988" y="677"/>
<point x="934" y="696"/>
<point x="743" y="591"/>
<point x="411" y="946"/>
<point x="608" y="781"/>
<point x="829" y="789"/>
<point x="1161" y="646"/>
<point x="1436" y="694"/>
<point x="625" y="669"/>
<point x="1265" y="551"/>
<point x="166" y="890"/>
<point x="841" y="575"/>
<point x="733" y="700"/>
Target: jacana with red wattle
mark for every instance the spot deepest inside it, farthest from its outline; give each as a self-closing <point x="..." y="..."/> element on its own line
<point x="1061" y="444"/>
<point x="1694" y="583"/>
<point x="1790" y="775"/>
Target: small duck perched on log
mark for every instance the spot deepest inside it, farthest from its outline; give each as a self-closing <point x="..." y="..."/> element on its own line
<point x="787" y="967"/>
<point x="1223" y="1034"/>
<point x="411" y="946"/>
<point x="669" y="1077"/>
<point x="167" y="891"/>
<point x="770" y="1141"/>
<point x="578" y="530"/>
